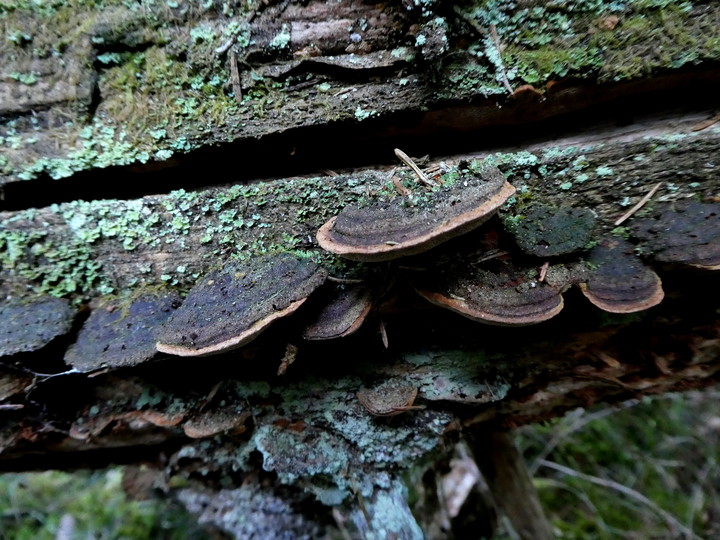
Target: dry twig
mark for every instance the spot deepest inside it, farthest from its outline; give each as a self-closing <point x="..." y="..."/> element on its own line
<point x="638" y="206"/>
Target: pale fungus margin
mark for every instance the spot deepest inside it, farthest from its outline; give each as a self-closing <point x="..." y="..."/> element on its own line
<point x="619" y="281"/>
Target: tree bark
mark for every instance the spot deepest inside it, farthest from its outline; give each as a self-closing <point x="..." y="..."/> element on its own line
<point x="144" y="147"/>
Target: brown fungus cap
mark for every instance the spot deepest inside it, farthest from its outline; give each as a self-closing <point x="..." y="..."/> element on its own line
<point x="121" y="333"/>
<point x="232" y="305"/>
<point x="30" y="324"/>
<point x="389" y="399"/>
<point x="386" y="230"/>
<point x="505" y="294"/>
<point x="683" y="232"/>
<point x="619" y="281"/>
<point x="343" y="310"/>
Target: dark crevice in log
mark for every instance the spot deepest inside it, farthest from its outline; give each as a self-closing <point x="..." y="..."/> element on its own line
<point x="99" y="458"/>
<point x="451" y="128"/>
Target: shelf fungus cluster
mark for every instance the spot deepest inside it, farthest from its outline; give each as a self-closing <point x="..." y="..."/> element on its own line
<point x="511" y="272"/>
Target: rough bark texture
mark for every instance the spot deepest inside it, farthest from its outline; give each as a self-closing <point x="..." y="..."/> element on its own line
<point x="147" y="143"/>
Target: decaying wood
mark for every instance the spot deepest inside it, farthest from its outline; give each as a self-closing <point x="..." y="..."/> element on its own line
<point x="236" y="108"/>
<point x="504" y="470"/>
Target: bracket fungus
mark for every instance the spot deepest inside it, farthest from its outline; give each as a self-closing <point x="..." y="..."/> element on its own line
<point x="389" y="399"/>
<point x="345" y="307"/>
<point x="619" y="281"/>
<point x="28" y="325"/>
<point x="231" y="306"/>
<point x="121" y="334"/>
<point x="204" y="424"/>
<point x="684" y="232"/>
<point x="501" y="292"/>
<point x="386" y="229"/>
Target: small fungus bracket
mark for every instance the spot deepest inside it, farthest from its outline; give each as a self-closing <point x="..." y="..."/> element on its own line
<point x="499" y="291"/>
<point x="620" y="282"/>
<point x="121" y="334"/>
<point x="233" y="305"/>
<point x="30" y="324"/>
<point x="385" y="230"/>
<point x="389" y="399"/>
<point x="343" y="310"/>
<point x="684" y="232"/>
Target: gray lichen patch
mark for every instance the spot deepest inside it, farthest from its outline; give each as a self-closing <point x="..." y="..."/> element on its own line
<point x="232" y="305"/>
<point x="387" y="515"/>
<point x="547" y="231"/>
<point x="685" y="232"/>
<point x="120" y="334"/>
<point x="28" y="325"/>
<point x="390" y="228"/>
<point x="459" y="376"/>
<point x="253" y="510"/>
<point x="619" y="281"/>
<point x="343" y="309"/>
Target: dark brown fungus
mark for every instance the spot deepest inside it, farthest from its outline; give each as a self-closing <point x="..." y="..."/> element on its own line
<point x="28" y="325"/>
<point x="232" y="305"/>
<point x="385" y="230"/>
<point x="684" y="232"/>
<point x="548" y="231"/>
<point x="619" y="282"/>
<point x="343" y="309"/>
<point x="121" y="333"/>
<point x="503" y="294"/>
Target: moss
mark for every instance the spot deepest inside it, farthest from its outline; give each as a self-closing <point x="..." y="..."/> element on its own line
<point x="558" y="40"/>
<point x="546" y="231"/>
<point x="48" y="265"/>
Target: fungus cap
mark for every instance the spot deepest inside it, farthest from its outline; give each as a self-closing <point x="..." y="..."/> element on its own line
<point x="389" y="399"/>
<point x="619" y="281"/>
<point x="29" y="324"/>
<point x="344" y="309"/>
<point x="232" y="305"/>
<point x="506" y="307"/>
<point x="209" y="423"/>
<point x="684" y="232"/>
<point x="387" y="230"/>
<point x="120" y="334"/>
<point x="501" y="292"/>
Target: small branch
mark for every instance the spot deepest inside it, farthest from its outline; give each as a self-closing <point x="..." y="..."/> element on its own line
<point x="638" y="206"/>
<point x="671" y="520"/>
<point x="235" y="78"/>
<point x="543" y="271"/>
<point x="222" y="49"/>
<point x="402" y="190"/>
<point x="706" y="123"/>
<point x="410" y="163"/>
